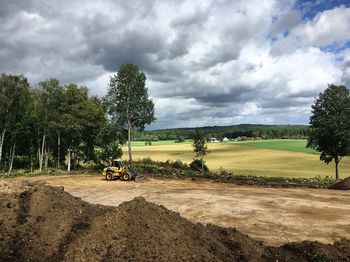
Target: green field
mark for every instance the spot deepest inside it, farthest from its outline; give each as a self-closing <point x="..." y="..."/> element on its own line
<point x="293" y="145"/>
<point x="287" y="158"/>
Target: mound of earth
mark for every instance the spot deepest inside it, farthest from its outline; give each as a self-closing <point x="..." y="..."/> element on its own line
<point x="342" y="185"/>
<point x="42" y="223"/>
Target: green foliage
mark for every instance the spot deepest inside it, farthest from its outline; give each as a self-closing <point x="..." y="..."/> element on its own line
<point x="231" y="132"/>
<point x="199" y="144"/>
<point x="48" y="121"/>
<point x="223" y="172"/>
<point x="180" y="139"/>
<point x="148" y="143"/>
<point x="127" y="100"/>
<point x="110" y="151"/>
<point x="14" y="106"/>
<point x="200" y="147"/>
<point x="198" y="165"/>
<point x="330" y="125"/>
<point x="179" y="164"/>
<point x="14" y="93"/>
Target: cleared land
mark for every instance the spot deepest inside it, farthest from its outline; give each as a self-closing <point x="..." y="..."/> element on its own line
<point x="273" y="215"/>
<point x="265" y="158"/>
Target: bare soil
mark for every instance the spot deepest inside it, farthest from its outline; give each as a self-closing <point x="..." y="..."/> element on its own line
<point x="44" y="223"/>
<point x="275" y="216"/>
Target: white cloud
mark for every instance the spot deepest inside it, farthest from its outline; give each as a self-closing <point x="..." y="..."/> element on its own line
<point x="326" y="28"/>
<point x="249" y="108"/>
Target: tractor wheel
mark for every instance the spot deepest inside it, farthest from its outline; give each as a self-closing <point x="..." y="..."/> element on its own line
<point x="109" y="176"/>
<point x="126" y="176"/>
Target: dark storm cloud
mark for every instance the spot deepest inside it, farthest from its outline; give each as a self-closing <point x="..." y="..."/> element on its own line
<point x="129" y="47"/>
<point x="9" y="8"/>
<point x="234" y="95"/>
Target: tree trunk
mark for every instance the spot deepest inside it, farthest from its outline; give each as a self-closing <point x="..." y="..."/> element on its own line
<point x="12" y="154"/>
<point x="58" y="148"/>
<point x="2" y="142"/>
<point x="129" y="141"/>
<point x="31" y="163"/>
<point x="38" y="153"/>
<point x="337" y="168"/>
<point x="41" y="157"/>
<point x="202" y="164"/>
<point x="68" y="160"/>
<point x="46" y="157"/>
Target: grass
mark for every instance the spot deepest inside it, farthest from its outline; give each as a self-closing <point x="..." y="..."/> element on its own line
<point x="292" y="145"/>
<point x="285" y="158"/>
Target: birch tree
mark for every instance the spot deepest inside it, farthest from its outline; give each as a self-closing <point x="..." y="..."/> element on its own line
<point x="14" y="93"/>
<point x="47" y="114"/>
<point x="128" y="102"/>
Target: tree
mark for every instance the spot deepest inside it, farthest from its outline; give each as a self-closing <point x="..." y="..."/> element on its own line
<point x="56" y="110"/>
<point x="330" y="125"/>
<point x="95" y="118"/>
<point x="128" y="102"/>
<point x="75" y="119"/>
<point x="48" y="105"/>
<point x="109" y="142"/>
<point x="14" y="93"/>
<point x="200" y="145"/>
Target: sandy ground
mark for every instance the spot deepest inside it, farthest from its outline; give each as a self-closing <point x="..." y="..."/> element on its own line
<point x="273" y="215"/>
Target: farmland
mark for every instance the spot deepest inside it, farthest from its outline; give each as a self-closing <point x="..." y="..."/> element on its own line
<point x="287" y="158"/>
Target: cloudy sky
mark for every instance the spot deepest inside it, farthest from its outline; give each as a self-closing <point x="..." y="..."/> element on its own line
<point x="207" y="62"/>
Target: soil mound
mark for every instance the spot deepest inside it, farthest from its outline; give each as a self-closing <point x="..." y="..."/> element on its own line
<point x="342" y="185"/>
<point x="43" y="223"/>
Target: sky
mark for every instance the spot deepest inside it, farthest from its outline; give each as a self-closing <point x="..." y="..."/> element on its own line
<point x="210" y="63"/>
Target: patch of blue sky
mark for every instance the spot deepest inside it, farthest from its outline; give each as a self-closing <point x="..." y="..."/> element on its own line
<point x="336" y="47"/>
<point x="310" y="8"/>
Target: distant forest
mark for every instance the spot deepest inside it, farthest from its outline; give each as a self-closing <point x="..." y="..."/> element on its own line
<point x="231" y="132"/>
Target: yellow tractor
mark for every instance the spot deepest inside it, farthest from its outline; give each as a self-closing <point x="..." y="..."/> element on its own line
<point x="120" y="170"/>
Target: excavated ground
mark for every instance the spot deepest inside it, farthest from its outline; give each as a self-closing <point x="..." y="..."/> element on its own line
<point x="44" y="223"/>
<point x="342" y="185"/>
<point x="275" y="216"/>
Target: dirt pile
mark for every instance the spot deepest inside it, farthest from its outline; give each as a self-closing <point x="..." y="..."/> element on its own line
<point x="342" y="185"/>
<point x="43" y="223"/>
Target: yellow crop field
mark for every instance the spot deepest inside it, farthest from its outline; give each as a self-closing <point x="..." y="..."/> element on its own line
<point x="249" y="160"/>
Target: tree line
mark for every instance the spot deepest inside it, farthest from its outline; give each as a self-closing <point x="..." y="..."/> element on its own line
<point x="52" y="125"/>
<point x="56" y="125"/>
<point x="231" y="132"/>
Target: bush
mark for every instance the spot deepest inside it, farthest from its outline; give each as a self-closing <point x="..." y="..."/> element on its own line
<point x="148" y="143"/>
<point x="180" y="139"/>
<point x="196" y="165"/>
<point x="179" y="165"/>
<point x="223" y="172"/>
<point x="147" y="160"/>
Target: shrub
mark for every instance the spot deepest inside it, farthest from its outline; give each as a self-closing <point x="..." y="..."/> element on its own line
<point x="196" y="165"/>
<point x="223" y="172"/>
<point x="147" y="160"/>
<point x="179" y="164"/>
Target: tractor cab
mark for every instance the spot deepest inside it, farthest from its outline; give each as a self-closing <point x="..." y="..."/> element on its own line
<point x="118" y="163"/>
<point x="119" y="169"/>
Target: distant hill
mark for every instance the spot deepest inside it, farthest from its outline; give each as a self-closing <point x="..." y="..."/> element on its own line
<point x="232" y="131"/>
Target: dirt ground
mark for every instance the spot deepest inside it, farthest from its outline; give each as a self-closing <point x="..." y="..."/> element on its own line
<point x="39" y="222"/>
<point x="275" y="216"/>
